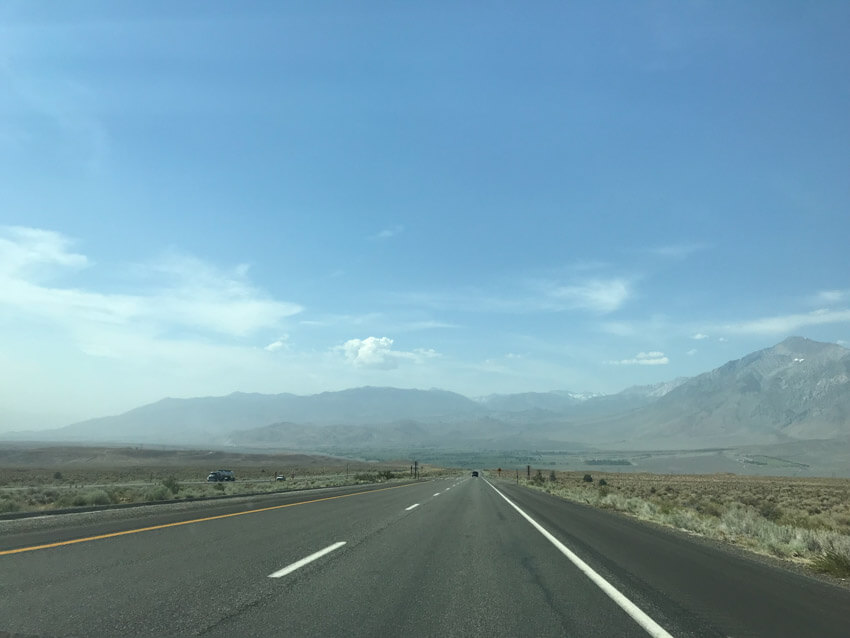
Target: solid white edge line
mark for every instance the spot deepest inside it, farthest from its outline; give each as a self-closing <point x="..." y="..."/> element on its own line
<point x="637" y="614"/>
<point x="407" y="509"/>
<point x="438" y="493"/>
<point x="309" y="559"/>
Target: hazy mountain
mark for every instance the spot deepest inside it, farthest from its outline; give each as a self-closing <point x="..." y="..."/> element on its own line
<point x="478" y="433"/>
<point x="559" y="401"/>
<point x="293" y="435"/>
<point x="654" y="391"/>
<point x="798" y="389"/>
<point x="567" y="409"/>
<point x="208" y="419"/>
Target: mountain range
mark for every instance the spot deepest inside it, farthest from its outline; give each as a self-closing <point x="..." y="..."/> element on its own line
<point x="796" y="390"/>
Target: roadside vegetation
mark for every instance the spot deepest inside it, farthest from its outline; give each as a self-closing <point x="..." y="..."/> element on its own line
<point x="804" y="520"/>
<point x="42" y="489"/>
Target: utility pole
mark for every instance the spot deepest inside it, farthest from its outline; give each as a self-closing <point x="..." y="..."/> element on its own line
<point x="528" y="472"/>
<point x="416" y="469"/>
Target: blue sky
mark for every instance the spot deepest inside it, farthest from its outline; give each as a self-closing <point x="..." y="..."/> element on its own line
<point x="200" y="198"/>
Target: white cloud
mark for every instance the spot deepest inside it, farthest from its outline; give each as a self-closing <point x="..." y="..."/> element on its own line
<point x="691" y="352"/>
<point x="196" y="294"/>
<point x="387" y="233"/>
<point x="598" y="295"/>
<point x="280" y="344"/>
<point x="653" y="358"/>
<point x="699" y="336"/>
<point x="377" y="352"/>
<point x="787" y="324"/>
<point x="831" y="297"/>
<point x="428" y="324"/>
<point x="177" y="294"/>
<point x="29" y="251"/>
<point x="327" y="320"/>
<point x="379" y="322"/>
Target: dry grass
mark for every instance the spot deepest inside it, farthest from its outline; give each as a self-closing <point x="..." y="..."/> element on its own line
<point x="803" y="519"/>
<point x="80" y="476"/>
<point x="42" y="497"/>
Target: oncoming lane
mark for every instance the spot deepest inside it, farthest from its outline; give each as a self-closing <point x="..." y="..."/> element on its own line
<point x="181" y="575"/>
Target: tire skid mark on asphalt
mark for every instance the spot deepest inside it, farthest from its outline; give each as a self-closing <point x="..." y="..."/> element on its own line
<point x="86" y="539"/>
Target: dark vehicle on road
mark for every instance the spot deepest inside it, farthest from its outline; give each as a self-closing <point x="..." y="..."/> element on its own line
<point x="475" y="473"/>
<point x="221" y="475"/>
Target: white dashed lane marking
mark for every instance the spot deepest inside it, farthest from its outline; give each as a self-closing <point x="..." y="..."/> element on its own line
<point x="304" y="561"/>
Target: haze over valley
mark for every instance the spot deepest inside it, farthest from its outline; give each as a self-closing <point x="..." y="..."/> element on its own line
<point x="791" y="398"/>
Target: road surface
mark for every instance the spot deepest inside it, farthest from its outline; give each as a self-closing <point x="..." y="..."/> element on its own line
<point x="450" y="557"/>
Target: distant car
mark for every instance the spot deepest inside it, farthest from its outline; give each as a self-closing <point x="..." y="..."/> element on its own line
<point x="280" y="477"/>
<point x="475" y="473"/>
<point x="221" y="475"/>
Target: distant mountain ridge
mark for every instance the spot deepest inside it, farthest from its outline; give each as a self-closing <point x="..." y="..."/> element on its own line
<point x="798" y="389"/>
<point x="656" y="390"/>
<point x="524" y="401"/>
<point x="188" y="420"/>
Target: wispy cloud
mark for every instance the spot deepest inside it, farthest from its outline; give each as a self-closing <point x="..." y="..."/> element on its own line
<point x="827" y="297"/>
<point x="197" y="294"/>
<point x="379" y="322"/>
<point x="676" y="251"/>
<point x="597" y="295"/>
<point x="467" y="300"/>
<point x="699" y="336"/>
<point x="654" y="358"/>
<point x="327" y="320"/>
<point x="787" y="324"/>
<point x="387" y="233"/>
<point x="178" y="294"/>
<point x="29" y="251"/>
<point x="378" y="353"/>
<point x="280" y="344"/>
<point x="426" y="324"/>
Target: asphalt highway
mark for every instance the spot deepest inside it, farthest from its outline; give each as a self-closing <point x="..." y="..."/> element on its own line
<point x="450" y="557"/>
